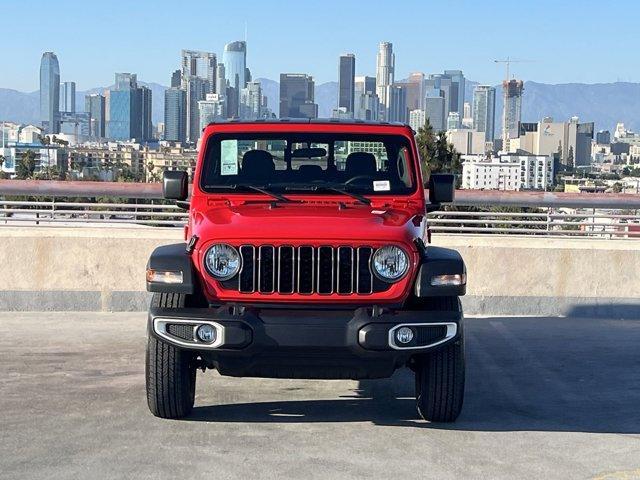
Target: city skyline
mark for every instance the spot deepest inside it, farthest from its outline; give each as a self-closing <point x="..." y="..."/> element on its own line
<point x="417" y="49"/>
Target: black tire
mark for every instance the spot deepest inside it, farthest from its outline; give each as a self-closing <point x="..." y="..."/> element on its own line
<point x="170" y="371"/>
<point x="440" y="376"/>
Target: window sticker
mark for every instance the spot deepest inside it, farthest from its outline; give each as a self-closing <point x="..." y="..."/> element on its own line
<point x="381" y="186"/>
<point x="229" y="157"/>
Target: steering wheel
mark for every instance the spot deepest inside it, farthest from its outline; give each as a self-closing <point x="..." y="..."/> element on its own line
<point x="357" y="178"/>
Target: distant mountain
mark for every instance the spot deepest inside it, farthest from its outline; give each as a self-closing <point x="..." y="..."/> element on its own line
<point x="603" y="103"/>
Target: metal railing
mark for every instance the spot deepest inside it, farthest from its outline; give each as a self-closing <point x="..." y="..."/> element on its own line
<point x="473" y="212"/>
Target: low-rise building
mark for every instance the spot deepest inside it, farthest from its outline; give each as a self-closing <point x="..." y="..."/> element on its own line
<point x="507" y="172"/>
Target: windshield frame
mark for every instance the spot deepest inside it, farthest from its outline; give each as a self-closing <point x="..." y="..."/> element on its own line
<point x="293" y="136"/>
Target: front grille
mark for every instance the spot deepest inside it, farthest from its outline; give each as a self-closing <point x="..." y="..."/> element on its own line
<point x="306" y="270"/>
<point x="181" y="330"/>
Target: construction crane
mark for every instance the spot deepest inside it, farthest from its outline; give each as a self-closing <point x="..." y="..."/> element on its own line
<point x="508" y="61"/>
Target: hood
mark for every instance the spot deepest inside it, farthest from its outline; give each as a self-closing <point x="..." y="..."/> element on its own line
<point x="308" y="221"/>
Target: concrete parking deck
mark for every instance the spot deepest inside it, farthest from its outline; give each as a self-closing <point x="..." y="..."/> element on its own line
<point x="546" y="398"/>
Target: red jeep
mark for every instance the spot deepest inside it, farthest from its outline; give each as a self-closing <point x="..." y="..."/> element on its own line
<point x="306" y="256"/>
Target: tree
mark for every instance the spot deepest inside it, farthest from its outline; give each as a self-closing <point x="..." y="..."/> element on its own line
<point x="26" y="166"/>
<point x="437" y="155"/>
<point x="2" y="174"/>
<point x="617" y="187"/>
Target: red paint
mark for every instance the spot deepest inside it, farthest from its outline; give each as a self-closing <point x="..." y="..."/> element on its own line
<point x="242" y="218"/>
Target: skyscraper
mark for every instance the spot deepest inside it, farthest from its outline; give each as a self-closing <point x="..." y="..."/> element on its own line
<point x="50" y="92"/>
<point x="94" y="105"/>
<point x="367" y="103"/>
<point x="211" y="108"/>
<point x="234" y="58"/>
<point x="221" y="80"/>
<point x="176" y="79"/>
<point x="129" y="110"/>
<point x="198" y="78"/>
<point x="68" y="97"/>
<point x="251" y="101"/>
<point x="346" y="82"/>
<point x="435" y="108"/>
<point x="512" y="110"/>
<point x="456" y="102"/>
<point x="175" y="114"/>
<point x="484" y="110"/>
<point x="397" y="110"/>
<point x="297" y="96"/>
<point x="385" y="66"/>
<point x="415" y="91"/>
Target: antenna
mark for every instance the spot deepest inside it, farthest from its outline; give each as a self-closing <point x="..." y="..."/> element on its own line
<point x="246" y="28"/>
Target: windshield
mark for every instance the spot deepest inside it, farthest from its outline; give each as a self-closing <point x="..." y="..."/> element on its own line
<point x="310" y="163"/>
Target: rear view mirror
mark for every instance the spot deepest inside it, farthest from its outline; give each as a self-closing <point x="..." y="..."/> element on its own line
<point x="441" y="188"/>
<point x="175" y="185"/>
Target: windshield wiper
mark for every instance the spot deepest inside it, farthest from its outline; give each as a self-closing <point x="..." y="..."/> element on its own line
<point x="264" y="191"/>
<point x="362" y="199"/>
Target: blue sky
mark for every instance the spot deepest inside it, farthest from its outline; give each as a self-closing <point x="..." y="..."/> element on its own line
<point x="564" y="40"/>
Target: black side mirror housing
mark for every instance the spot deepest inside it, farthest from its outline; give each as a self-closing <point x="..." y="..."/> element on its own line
<point x="442" y="187"/>
<point x="175" y="185"/>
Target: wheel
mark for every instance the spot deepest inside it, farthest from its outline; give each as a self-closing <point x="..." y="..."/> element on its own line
<point x="440" y="377"/>
<point x="170" y="371"/>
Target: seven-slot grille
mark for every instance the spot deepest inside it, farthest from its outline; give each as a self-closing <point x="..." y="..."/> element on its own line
<point x="306" y="270"/>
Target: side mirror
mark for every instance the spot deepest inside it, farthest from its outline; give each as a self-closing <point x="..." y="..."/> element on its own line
<point x="175" y="185"/>
<point x="441" y="188"/>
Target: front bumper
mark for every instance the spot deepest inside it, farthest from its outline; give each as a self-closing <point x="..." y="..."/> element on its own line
<point x="294" y="343"/>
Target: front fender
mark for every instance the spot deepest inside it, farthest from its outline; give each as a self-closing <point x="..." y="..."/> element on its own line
<point x="439" y="261"/>
<point x="172" y="258"/>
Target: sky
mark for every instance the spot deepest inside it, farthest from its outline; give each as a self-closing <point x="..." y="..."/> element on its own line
<point x="559" y="41"/>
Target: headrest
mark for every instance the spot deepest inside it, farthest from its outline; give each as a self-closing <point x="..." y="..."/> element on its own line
<point x="361" y="163"/>
<point x="257" y="164"/>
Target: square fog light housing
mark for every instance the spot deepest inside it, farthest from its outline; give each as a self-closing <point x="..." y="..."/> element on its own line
<point x="449" y="280"/>
<point x="164" y="276"/>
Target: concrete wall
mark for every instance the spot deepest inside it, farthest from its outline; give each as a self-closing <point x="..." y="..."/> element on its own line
<point x="102" y="269"/>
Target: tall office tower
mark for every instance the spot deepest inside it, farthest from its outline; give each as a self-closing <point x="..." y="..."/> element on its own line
<point x="415" y="91"/>
<point x="251" y="101"/>
<point x="346" y="82"/>
<point x="129" y="110"/>
<point x="467" y="110"/>
<point x="452" y="83"/>
<point x="367" y="103"/>
<point x="453" y="121"/>
<point x="175" y="114"/>
<point x="221" y="81"/>
<point x="176" y="79"/>
<point x="417" y="119"/>
<point x="439" y="85"/>
<point x="145" y="113"/>
<point x="512" y="111"/>
<point x="234" y="58"/>
<point x="196" y="90"/>
<point x="199" y="64"/>
<point x="297" y="96"/>
<point x="198" y="78"/>
<point x="484" y="110"/>
<point x="385" y="65"/>
<point x="94" y="105"/>
<point x="68" y="97"/>
<point x="212" y="108"/>
<point x="397" y="110"/>
<point x="50" y="92"/>
<point x="435" y="109"/>
<point x="456" y="102"/>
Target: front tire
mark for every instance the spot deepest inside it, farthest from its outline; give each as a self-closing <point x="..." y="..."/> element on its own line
<point x="170" y="371"/>
<point x="440" y="377"/>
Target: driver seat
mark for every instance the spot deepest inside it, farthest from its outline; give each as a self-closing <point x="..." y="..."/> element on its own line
<point x="361" y="164"/>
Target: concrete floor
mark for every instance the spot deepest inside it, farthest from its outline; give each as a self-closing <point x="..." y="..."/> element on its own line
<point x="546" y="398"/>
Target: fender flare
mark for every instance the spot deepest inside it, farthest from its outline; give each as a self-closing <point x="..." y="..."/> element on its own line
<point x="439" y="261"/>
<point x="173" y="258"/>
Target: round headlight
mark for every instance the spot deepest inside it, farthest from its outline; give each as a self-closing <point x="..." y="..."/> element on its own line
<point x="390" y="263"/>
<point x="222" y="261"/>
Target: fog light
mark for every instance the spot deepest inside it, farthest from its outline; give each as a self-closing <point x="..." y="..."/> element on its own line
<point x="404" y="335"/>
<point x="206" y="333"/>
<point x="449" y="280"/>
<point x="163" y="276"/>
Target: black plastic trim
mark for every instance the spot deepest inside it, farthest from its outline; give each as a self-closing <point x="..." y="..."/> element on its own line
<point x="439" y="261"/>
<point x="173" y="258"/>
